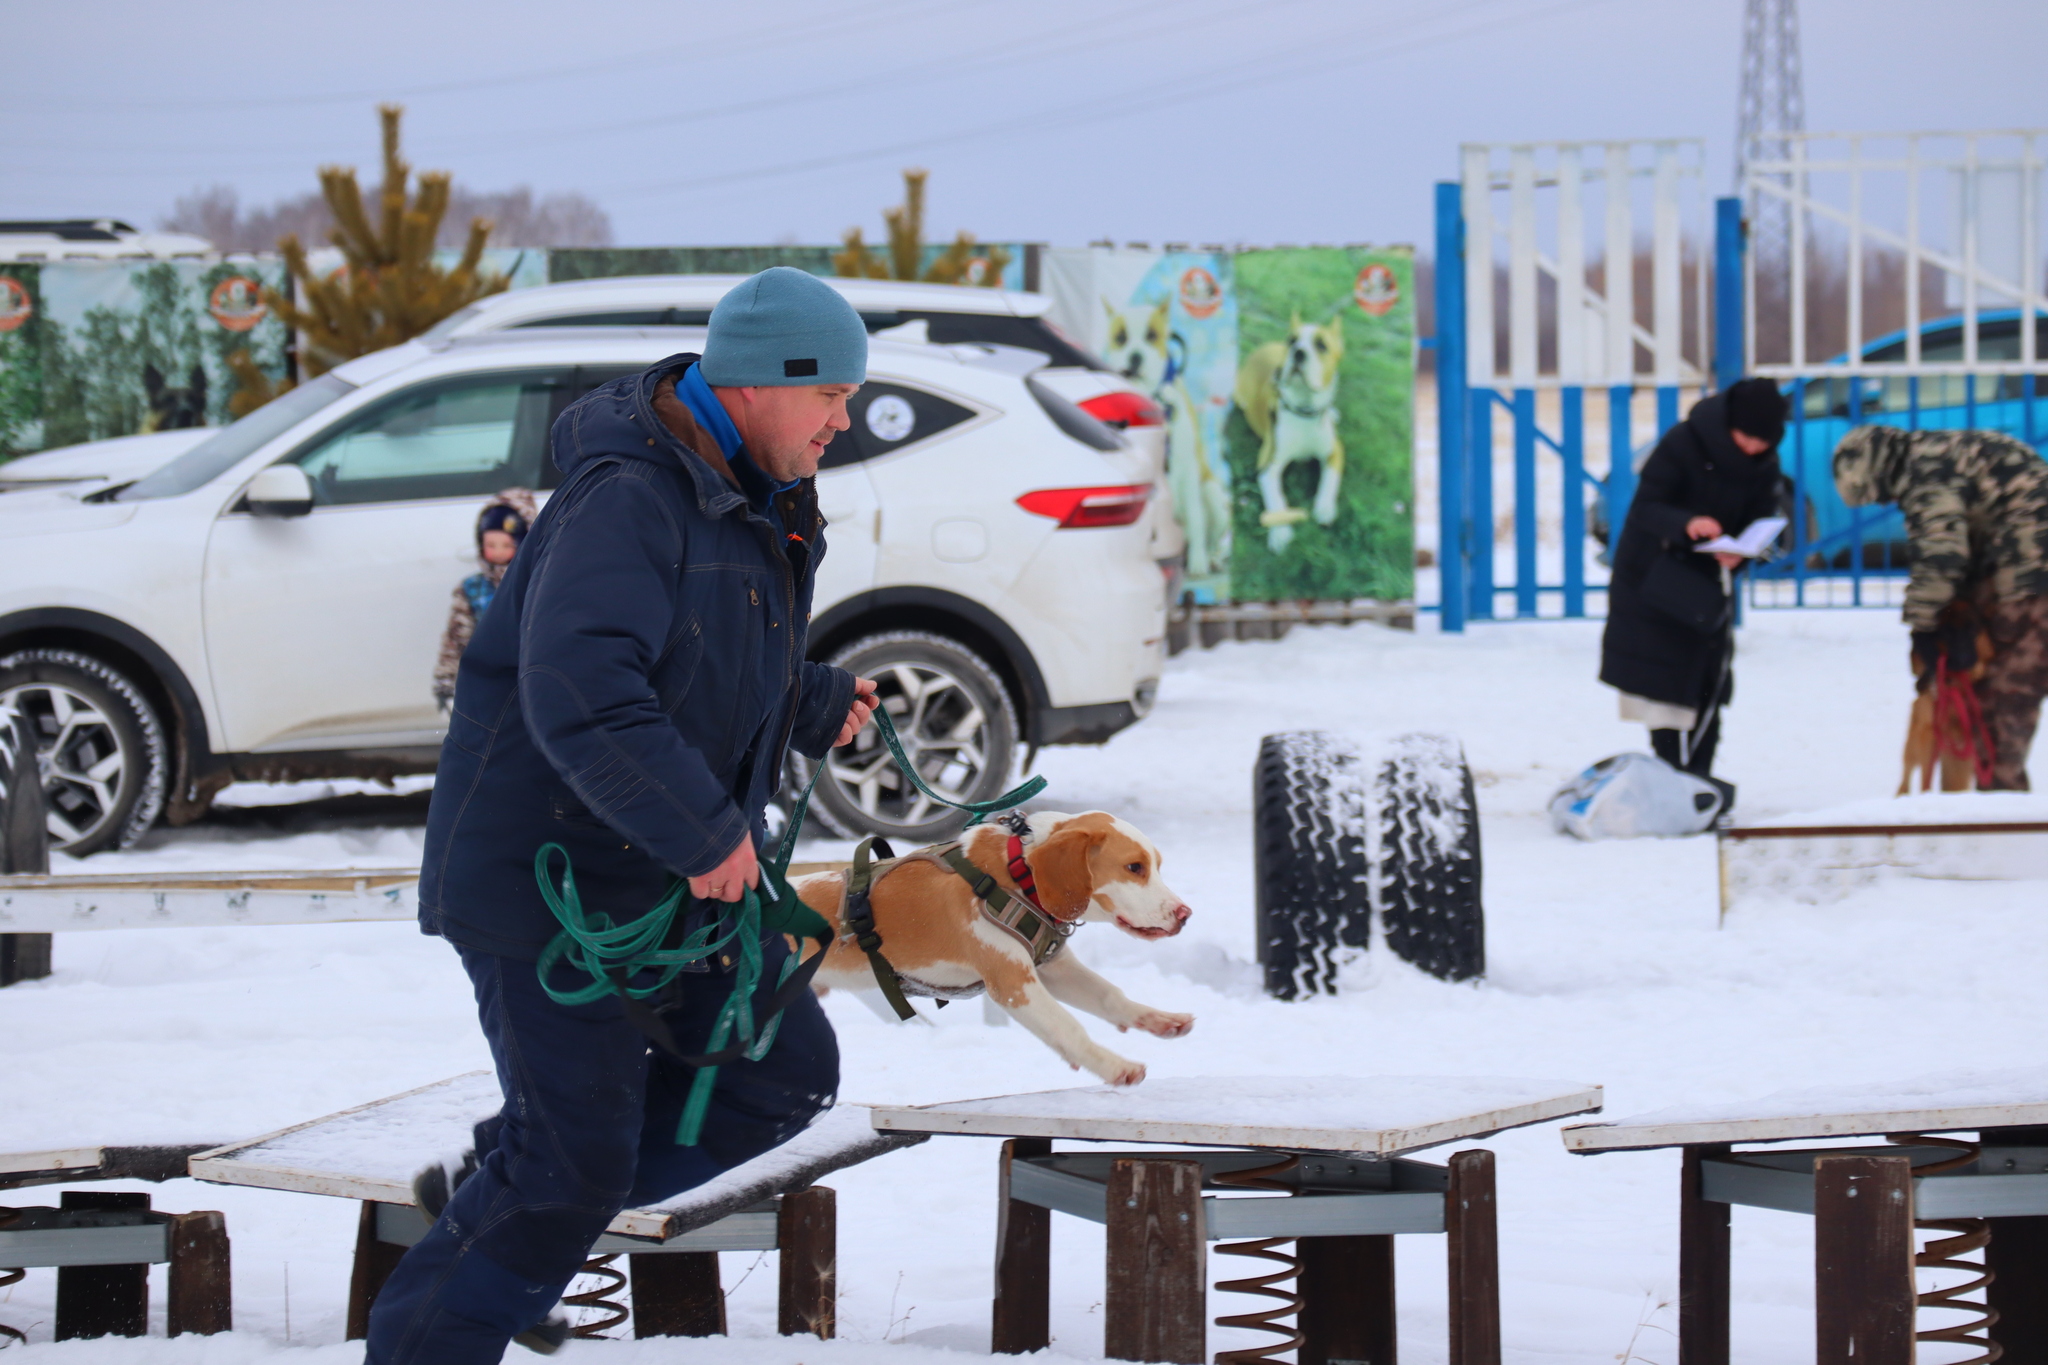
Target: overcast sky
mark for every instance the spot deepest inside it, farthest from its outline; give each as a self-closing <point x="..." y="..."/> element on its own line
<point x="1252" y="121"/>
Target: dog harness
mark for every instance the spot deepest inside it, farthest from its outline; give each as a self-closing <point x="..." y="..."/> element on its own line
<point x="1021" y="916"/>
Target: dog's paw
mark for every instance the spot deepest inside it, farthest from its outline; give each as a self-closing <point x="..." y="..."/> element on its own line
<point x="1120" y="1071"/>
<point x="1164" y="1023"/>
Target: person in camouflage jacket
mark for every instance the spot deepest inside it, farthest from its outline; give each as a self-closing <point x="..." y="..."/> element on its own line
<point x="499" y="530"/>
<point x="1976" y="505"/>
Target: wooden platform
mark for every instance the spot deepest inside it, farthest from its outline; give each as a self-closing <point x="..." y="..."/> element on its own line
<point x="1866" y="1201"/>
<point x="2012" y="1099"/>
<point x="1337" y="1140"/>
<point x="1372" y="1117"/>
<point x="372" y="1151"/>
<point x="69" y="902"/>
<point x="771" y="1203"/>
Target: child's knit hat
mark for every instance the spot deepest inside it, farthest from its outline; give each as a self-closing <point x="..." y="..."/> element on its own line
<point x="511" y="512"/>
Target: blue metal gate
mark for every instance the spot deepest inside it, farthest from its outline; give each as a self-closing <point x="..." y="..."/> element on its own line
<point x="1568" y="329"/>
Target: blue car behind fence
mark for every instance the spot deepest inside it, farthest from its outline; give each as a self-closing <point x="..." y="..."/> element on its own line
<point x="1824" y="529"/>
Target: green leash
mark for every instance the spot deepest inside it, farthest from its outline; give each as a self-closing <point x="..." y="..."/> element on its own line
<point x="611" y="954"/>
<point x="976" y="810"/>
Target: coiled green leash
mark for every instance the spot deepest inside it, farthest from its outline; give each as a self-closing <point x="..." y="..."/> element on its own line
<point x="612" y="954"/>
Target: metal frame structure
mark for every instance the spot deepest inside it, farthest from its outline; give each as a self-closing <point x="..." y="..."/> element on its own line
<point x="1545" y="186"/>
<point x="1850" y="193"/>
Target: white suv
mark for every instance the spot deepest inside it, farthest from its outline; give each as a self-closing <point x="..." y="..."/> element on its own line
<point x="944" y="314"/>
<point x="990" y="563"/>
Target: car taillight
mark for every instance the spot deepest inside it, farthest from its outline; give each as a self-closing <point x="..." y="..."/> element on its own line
<point x="1122" y="408"/>
<point x="1075" y="508"/>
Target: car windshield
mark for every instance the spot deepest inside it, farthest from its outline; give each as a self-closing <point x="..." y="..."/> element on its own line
<point x="215" y="456"/>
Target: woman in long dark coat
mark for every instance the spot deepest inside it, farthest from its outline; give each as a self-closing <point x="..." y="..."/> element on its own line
<point x="1712" y="474"/>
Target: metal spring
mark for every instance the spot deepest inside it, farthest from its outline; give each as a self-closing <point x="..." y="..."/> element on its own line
<point x="1261" y="1178"/>
<point x="596" y="1300"/>
<point x="1942" y="1253"/>
<point x="11" y="1275"/>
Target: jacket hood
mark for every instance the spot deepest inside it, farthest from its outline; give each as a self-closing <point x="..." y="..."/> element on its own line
<point x="624" y="419"/>
<point x="1868" y="464"/>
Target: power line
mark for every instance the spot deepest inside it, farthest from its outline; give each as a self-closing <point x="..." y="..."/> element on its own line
<point x="780" y="38"/>
<point x="1179" y="90"/>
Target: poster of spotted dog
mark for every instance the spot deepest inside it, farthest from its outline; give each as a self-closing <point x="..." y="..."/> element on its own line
<point x="1166" y="321"/>
<point x="1319" y="434"/>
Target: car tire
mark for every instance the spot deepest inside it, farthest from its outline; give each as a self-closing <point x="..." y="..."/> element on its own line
<point x="106" y="762"/>
<point x="1308" y="860"/>
<point x="957" y="724"/>
<point x="1428" y="858"/>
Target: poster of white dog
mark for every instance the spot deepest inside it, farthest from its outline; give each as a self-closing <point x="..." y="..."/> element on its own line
<point x="1166" y="322"/>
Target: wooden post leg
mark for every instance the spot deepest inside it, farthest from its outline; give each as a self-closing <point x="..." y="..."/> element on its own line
<point x="24" y="957"/>
<point x="1475" y="1260"/>
<point x="1702" y="1265"/>
<point x="1347" y="1300"/>
<point x="1158" y="1278"/>
<point x="202" y="1297"/>
<point x="2018" y="1256"/>
<point x="807" y="1231"/>
<point x="374" y="1263"/>
<point x="677" y="1294"/>
<point x="1021" y="1321"/>
<point x="1863" y="1260"/>
<point x="102" y="1300"/>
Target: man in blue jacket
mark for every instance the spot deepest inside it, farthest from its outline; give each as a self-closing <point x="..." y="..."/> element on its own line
<point x="629" y="696"/>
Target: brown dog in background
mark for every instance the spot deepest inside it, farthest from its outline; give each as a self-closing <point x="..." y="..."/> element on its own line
<point x="1929" y="740"/>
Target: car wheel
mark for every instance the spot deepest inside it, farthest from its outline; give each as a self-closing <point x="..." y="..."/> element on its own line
<point x="104" y="760"/>
<point x="958" y="729"/>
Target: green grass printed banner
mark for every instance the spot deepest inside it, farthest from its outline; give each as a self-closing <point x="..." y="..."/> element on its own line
<point x="1319" y="436"/>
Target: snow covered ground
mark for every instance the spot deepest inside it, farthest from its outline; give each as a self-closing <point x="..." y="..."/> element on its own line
<point x="1606" y="966"/>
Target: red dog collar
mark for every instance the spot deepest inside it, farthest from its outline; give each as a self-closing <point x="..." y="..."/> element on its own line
<point x="1020" y="873"/>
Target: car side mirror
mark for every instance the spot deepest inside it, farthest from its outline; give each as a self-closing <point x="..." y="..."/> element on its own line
<point x="282" y="490"/>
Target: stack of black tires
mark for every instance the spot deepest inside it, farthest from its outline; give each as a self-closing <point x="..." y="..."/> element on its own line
<point x="1354" y="842"/>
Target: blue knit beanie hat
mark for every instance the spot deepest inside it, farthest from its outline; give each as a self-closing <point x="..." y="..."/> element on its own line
<point x="784" y="326"/>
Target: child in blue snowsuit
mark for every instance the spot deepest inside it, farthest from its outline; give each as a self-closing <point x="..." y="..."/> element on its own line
<point x="498" y="533"/>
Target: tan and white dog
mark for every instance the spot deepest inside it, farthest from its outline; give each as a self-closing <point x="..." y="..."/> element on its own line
<point x="1091" y="867"/>
<point x="1140" y="348"/>
<point x="1287" y="391"/>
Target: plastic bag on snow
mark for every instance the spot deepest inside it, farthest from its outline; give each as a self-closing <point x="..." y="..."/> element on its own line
<point x="1629" y="796"/>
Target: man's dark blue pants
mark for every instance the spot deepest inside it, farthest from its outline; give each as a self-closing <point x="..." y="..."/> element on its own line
<point x="588" y="1128"/>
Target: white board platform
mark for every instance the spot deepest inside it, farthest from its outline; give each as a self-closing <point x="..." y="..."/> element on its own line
<point x="1954" y="1102"/>
<point x="1376" y="1116"/>
<point x="68" y="902"/>
<point x="370" y="1152"/>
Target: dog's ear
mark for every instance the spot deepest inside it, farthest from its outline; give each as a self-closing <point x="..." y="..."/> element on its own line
<point x="152" y="381"/>
<point x="1060" y="867"/>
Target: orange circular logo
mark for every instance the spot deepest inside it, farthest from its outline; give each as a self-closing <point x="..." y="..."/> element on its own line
<point x="237" y="303"/>
<point x="1200" y="295"/>
<point x="1377" y="291"/>
<point x="16" y="307"/>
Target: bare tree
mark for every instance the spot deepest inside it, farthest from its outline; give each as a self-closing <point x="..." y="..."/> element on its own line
<point x="519" y="220"/>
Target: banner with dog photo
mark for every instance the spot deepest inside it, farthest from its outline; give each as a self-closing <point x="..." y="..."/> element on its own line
<point x="1167" y="321"/>
<point x="96" y="349"/>
<point x="1319" y="436"/>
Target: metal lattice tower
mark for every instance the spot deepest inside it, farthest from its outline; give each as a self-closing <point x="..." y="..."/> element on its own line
<point x="1773" y="102"/>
